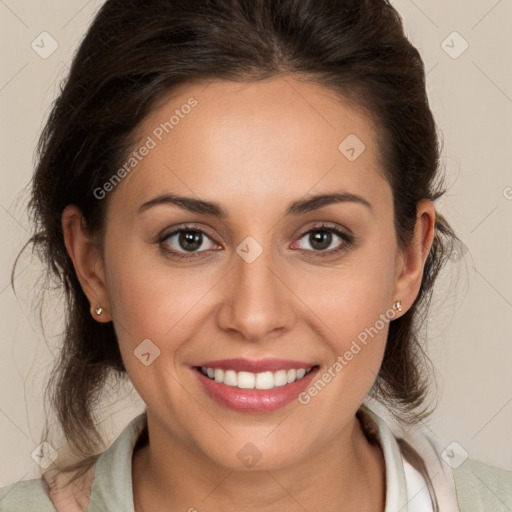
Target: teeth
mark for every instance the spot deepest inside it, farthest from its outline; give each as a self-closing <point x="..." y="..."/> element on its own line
<point x="280" y="378"/>
<point x="230" y="378"/>
<point x="246" y="380"/>
<point x="249" y="380"/>
<point x="264" y="380"/>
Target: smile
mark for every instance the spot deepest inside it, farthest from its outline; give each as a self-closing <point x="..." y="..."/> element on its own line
<point x="258" y="386"/>
<point x="250" y="380"/>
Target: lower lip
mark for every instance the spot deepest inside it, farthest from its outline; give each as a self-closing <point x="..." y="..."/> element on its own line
<point x="255" y="400"/>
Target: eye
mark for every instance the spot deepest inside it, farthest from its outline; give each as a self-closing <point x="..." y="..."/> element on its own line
<point x="320" y="238"/>
<point x="186" y="242"/>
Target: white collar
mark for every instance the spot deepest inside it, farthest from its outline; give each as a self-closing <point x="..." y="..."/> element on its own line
<point x="415" y="489"/>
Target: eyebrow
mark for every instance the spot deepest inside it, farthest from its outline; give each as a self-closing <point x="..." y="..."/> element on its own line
<point x="296" y="208"/>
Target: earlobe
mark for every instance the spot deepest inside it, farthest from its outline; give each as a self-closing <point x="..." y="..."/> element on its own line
<point x="87" y="261"/>
<point x="411" y="261"/>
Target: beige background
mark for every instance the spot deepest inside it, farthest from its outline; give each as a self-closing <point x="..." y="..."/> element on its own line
<point x="470" y="326"/>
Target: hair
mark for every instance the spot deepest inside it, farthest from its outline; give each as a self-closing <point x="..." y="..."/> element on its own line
<point x="137" y="51"/>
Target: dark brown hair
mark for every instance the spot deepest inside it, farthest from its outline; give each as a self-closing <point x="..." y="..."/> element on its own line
<point x="134" y="53"/>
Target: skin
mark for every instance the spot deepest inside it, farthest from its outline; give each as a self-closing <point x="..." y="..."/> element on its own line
<point x="253" y="148"/>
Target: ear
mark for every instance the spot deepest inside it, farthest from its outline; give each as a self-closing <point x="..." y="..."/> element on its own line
<point x="411" y="259"/>
<point x="87" y="261"/>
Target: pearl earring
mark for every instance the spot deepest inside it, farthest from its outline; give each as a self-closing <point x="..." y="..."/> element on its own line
<point x="398" y="305"/>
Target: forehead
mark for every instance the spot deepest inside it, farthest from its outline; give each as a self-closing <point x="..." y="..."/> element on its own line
<point x="257" y="139"/>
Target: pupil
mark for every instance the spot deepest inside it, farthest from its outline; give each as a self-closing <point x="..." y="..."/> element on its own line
<point x="190" y="240"/>
<point x="324" y="237"/>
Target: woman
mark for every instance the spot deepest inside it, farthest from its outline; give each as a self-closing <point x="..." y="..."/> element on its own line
<point x="238" y="198"/>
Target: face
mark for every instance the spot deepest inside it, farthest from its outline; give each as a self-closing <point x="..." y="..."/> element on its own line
<point x="263" y="275"/>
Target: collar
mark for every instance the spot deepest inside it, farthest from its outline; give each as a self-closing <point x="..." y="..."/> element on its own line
<point x="112" y="484"/>
<point x="396" y="486"/>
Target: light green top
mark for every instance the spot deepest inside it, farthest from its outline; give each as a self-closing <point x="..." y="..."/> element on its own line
<point x="479" y="487"/>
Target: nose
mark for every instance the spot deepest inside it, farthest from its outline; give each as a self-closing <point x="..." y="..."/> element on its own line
<point x="257" y="301"/>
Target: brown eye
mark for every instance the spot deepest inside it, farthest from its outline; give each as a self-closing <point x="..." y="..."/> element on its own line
<point x="190" y="240"/>
<point x="186" y="243"/>
<point x="321" y="238"/>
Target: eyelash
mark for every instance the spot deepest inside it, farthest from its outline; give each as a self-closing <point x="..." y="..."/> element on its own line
<point x="348" y="241"/>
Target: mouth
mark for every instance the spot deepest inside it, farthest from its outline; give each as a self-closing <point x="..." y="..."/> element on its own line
<point x="255" y="386"/>
<point x="251" y="380"/>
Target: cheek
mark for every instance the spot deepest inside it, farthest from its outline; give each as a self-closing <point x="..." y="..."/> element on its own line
<point x="352" y="309"/>
<point x="351" y="298"/>
<point x="157" y="315"/>
<point x="148" y="303"/>
<point x="358" y="319"/>
<point x="150" y="300"/>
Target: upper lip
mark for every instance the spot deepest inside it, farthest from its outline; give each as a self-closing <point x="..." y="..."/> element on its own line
<point x="256" y="365"/>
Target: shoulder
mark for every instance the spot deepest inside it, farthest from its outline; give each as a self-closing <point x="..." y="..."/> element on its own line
<point x="104" y="481"/>
<point x="481" y="485"/>
<point x="55" y="491"/>
<point x="26" y="495"/>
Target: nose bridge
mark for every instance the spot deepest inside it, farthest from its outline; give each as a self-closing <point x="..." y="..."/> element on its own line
<point x="256" y="301"/>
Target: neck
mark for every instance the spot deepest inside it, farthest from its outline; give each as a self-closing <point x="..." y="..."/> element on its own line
<point x="346" y="474"/>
